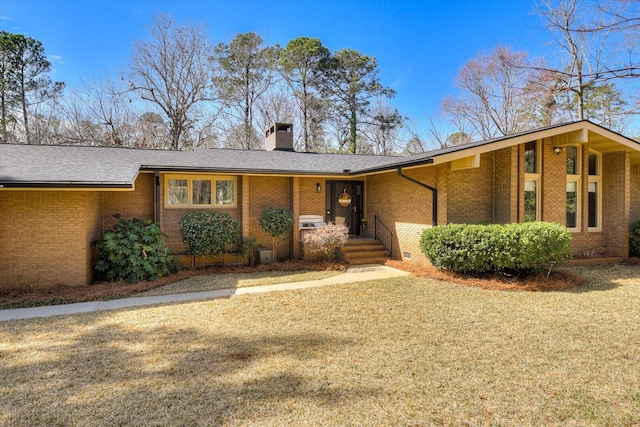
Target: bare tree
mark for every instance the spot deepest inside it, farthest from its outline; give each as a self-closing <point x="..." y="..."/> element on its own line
<point x="383" y="129"/>
<point x="496" y="94"/>
<point x="171" y="70"/>
<point x="598" y="41"/>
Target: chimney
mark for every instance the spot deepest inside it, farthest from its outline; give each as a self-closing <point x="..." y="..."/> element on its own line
<point x="279" y="137"/>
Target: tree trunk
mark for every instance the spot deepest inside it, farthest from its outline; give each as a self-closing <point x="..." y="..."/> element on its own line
<point x="352" y="132"/>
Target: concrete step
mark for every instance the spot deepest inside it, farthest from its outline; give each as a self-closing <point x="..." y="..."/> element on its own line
<point x="363" y="261"/>
<point x="366" y="254"/>
<point x="361" y="248"/>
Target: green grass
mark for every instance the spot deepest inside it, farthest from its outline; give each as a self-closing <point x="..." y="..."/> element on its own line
<point x="406" y="351"/>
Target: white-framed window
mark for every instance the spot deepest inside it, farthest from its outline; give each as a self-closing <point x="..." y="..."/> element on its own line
<point x="594" y="194"/>
<point x="573" y="187"/>
<point x="200" y="191"/>
<point x="531" y="181"/>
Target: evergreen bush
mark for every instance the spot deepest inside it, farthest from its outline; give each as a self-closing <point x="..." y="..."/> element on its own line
<point x="209" y="233"/>
<point x="134" y="250"/>
<point x="525" y="248"/>
<point x="634" y="238"/>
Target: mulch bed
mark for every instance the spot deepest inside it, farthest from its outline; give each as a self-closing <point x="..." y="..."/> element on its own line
<point x="557" y="280"/>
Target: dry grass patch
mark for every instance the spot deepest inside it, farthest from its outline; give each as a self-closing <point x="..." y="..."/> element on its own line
<point x="404" y="351"/>
<point x="239" y="280"/>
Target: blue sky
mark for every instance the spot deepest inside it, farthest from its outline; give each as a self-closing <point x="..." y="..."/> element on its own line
<point x="419" y="45"/>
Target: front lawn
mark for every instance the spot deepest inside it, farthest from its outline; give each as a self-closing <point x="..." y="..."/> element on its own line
<point x="405" y="351"/>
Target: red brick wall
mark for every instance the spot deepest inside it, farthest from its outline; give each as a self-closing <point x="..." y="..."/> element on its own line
<point x="505" y="186"/>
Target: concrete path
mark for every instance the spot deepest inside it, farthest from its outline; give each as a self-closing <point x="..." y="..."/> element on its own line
<point x="360" y="273"/>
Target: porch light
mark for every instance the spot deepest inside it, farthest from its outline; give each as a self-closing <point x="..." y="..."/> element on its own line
<point x="318" y="188"/>
<point x="558" y="150"/>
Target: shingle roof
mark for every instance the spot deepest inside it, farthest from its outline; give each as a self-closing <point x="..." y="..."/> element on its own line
<point x="55" y="165"/>
<point x="61" y="166"/>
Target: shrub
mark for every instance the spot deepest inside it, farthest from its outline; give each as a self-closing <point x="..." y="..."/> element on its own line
<point x="134" y="251"/>
<point x="327" y="239"/>
<point x="277" y="222"/>
<point x="634" y="238"/>
<point x="209" y="233"/>
<point x="523" y="248"/>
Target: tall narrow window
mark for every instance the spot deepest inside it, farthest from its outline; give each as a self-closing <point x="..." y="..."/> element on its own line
<point x="531" y="182"/>
<point x="594" y="218"/>
<point x="530" y="200"/>
<point x="572" y="204"/>
<point x="573" y="188"/>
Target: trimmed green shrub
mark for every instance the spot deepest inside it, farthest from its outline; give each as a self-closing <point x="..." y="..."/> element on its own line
<point x="277" y="222"/>
<point x="209" y="233"/>
<point x="134" y="250"/>
<point x="634" y="238"/>
<point x="525" y="248"/>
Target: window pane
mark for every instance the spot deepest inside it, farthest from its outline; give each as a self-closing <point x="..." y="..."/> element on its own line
<point x="530" y="201"/>
<point x="593" y="204"/>
<point x="572" y="204"/>
<point x="178" y="192"/>
<point x="572" y="160"/>
<point x="593" y="164"/>
<point x="530" y="158"/>
<point x="201" y="192"/>
<point x="225" y="192"/>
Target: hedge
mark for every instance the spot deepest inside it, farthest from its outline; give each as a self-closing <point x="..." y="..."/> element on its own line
<point x="525" y="248"/>
<point x="209" y="233"/>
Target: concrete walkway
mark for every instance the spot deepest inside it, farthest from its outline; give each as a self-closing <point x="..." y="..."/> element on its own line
<point x="360" y="273"/>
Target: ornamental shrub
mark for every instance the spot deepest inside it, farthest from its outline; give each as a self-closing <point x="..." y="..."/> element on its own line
<point x="525" y="248"/>
<point x="209" y="233"/>
<point x="134" y="251"/>
<point x="634" y="238"/>
<point x="327" y="239"/>
<point x="277" y="222"/>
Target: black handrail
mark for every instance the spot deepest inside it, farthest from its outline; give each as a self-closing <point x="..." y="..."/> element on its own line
<point x="386" y="235"/>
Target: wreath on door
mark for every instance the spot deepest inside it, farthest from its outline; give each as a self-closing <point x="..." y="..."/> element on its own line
<point x="344" y="199"/>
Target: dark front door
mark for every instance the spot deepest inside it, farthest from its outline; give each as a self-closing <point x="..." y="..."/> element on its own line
<point x="345" y="204"/>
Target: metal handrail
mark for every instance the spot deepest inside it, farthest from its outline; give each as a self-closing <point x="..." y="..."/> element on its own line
<point x="386" y="235"/>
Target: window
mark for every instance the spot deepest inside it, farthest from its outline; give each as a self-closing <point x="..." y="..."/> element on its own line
<point x="594" y="218"/>
<point x="200" y="191"/>
<point x="531" y="182"/>
<point x="573" y="187"/>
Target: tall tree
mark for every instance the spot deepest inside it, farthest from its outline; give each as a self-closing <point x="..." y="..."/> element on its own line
<point x="24" y="80"/>
<point x="172" y="71"/>
<point x="496" y="94"/>
<point x="383" y="128"/>
<point x="244" y="71"/>
<point x="599" y="43"/>
<point x="300" y="63"/>
<point x="351" y="80"/>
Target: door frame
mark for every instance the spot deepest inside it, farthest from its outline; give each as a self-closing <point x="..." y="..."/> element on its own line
<point x="333" y="189"/>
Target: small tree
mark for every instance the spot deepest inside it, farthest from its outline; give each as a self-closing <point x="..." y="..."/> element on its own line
<point x="277" y="222"/>
<point x="327" y="239"/>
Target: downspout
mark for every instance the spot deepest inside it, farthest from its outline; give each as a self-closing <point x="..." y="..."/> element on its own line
<point x="434" y="193"/>
<point x="156" y="180"/>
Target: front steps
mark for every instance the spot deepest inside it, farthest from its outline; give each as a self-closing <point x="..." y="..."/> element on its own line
<point x="364" y="251"/>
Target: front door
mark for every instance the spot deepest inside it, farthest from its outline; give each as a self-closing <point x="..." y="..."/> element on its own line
<point x="345" y="204"/>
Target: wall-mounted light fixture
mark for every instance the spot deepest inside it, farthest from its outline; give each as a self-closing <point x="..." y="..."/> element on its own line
<point x="558" y="150"/>
<point x="318" y="188"/>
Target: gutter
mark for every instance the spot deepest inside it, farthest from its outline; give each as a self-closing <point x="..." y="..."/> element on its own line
<point x="64" y="184"/>
<point x="434" y="195"/>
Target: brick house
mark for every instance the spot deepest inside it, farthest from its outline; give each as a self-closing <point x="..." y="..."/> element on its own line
<point x="56" y="200"/>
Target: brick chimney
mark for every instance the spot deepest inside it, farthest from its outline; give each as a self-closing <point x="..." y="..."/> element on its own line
<point x="279" y="137"/>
